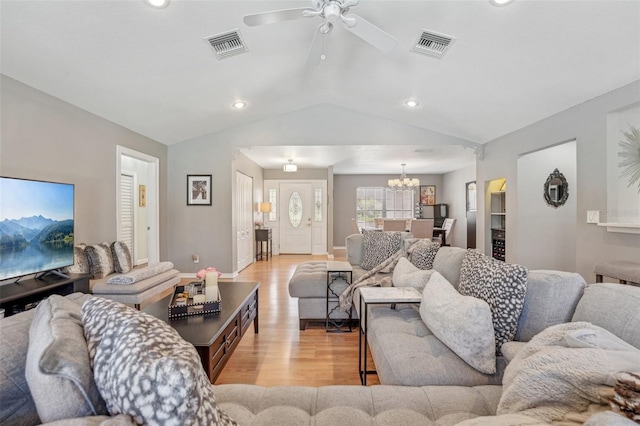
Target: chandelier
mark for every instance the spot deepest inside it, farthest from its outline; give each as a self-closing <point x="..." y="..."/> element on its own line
<point x="404" y="182"/>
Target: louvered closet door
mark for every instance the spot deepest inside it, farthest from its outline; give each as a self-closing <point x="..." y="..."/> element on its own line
<point x="126" y="210"/>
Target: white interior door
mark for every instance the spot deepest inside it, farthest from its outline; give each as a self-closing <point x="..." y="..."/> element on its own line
<point x="244" y="211"/>
<point x="295" y="218"/>
<point x="127" y="209"/>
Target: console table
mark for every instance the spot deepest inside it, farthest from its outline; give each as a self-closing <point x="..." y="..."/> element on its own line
<point x="263" y="236"/>
<point x="216" y="336"/>
<point x="26" y="294"/>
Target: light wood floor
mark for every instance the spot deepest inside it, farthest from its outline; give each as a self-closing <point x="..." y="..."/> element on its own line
<point x="282" y="354"/>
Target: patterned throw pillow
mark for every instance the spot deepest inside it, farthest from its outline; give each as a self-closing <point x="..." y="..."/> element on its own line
<point x="378" y="246"/>
<point x="100" y="260"/>
<point x="423" y="253"/>
<point x="122" y="262"/>
<point x="143" y="368"/>
<point x="80" y="261"/>
<point x="502" y="285"/>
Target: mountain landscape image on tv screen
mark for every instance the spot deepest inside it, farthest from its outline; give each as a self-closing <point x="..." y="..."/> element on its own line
<point x="36" y="226"/>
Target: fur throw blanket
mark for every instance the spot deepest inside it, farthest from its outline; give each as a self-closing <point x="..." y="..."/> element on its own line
<point x="380" y="276"/>
<point x="563" y="370"/>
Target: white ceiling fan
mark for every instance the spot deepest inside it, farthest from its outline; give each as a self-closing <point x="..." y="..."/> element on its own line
<point x="330" y="11"/>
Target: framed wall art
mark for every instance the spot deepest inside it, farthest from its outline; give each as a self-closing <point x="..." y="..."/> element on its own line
<point x="198" y="190"/>
<point x="428" y="195"/>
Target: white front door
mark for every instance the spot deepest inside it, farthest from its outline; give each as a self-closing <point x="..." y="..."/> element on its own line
<point x="295" y="218"/>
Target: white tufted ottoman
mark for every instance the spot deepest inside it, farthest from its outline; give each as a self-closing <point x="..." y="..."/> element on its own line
<point x="309" y="284"/>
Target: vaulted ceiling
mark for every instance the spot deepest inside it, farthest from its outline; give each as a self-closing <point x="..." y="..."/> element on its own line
<point x="151" y="71"/>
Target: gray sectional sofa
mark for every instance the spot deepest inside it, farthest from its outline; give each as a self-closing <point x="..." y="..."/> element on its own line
<point x="68" y="361"/>
<point x="613" y="307"/>
<point x="406" y="352"/>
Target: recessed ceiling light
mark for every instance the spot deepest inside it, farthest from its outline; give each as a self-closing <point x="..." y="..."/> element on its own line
<point x="412" y="103"/>
<point x="500" y="2"/>
<point x="239" y="104"/>
<point x="158" y="4"/>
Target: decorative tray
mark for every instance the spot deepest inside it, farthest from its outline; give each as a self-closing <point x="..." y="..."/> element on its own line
<point x="187" y="307"/>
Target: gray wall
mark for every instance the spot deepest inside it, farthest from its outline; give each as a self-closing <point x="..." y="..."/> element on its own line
<point x="545" y="246"/>
<point x="44" y="138"/>
<point x="587" y="124"/>
<point x="214" y="235"/>
<point x="344" y="194"/>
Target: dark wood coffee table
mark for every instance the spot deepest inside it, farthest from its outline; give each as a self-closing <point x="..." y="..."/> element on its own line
<point x="216" y="336"/>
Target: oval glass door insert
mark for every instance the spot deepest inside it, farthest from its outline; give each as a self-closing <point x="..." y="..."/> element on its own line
<point x="295" y="209"/>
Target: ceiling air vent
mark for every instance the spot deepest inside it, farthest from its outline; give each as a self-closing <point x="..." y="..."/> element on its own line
<point x="227" y="44"/>
<point x="432" y="44"/>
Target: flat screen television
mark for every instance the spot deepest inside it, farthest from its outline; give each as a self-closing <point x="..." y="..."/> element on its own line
<point x="36" y="226"/>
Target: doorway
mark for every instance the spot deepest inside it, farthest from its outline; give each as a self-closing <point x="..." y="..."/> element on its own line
<point x="144" y="221"/>
<point x="472" y="193"/>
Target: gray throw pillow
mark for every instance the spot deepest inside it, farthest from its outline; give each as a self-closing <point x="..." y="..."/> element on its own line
<point x="80" y="261"/>
<point x="502" y="285"/>
<point x="58" y="369"/>
<point x="379" y="246"/>
<point x="122" y="262"/>
<point x="143" y="368"/>
<point x="100" y="260"/>
<point x="406" y="274"/>
<point x="462" y="323"/>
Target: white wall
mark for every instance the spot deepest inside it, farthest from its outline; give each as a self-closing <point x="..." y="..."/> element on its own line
<point x="587" y="124"/>
<point x="623" y="199"/>
<point x="543" y="229"/>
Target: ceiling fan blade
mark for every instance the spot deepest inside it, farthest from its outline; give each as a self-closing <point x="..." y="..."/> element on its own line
<point x="314" y="56"/>
<point x="372" y="34"/>
<point x="273" y="16"/>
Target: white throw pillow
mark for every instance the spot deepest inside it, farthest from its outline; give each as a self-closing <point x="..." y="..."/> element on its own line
<point x="462" y="323"/>
<point x="406" y="274"/>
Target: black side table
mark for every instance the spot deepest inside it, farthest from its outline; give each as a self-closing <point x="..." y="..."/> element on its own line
<point x="341" y="272"/>
<point x="263" y="236"/>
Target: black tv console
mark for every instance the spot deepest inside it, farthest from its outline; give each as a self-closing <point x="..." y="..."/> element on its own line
<point x="26" y="294"/>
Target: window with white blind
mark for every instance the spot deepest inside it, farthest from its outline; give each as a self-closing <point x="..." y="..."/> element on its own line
<point x="381" y="202"/>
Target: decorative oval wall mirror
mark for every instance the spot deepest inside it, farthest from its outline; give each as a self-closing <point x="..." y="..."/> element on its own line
<point x="556" y="189"/>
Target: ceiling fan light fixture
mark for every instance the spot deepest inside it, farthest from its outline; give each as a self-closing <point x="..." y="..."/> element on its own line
<point x="158" y="4"/>
<point x="500" y="3"/>
<point x="239" y="104"/>
<point x="290" y="167"/>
